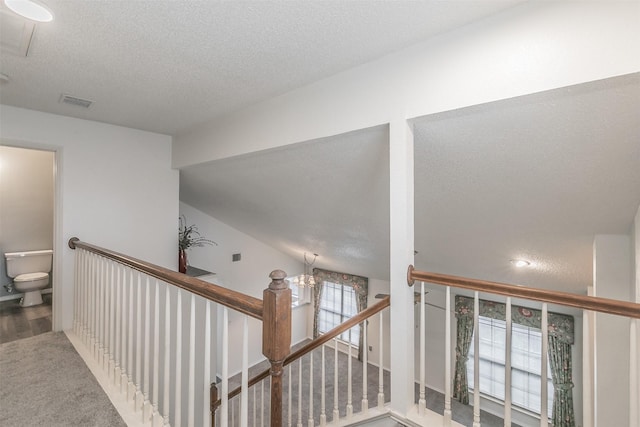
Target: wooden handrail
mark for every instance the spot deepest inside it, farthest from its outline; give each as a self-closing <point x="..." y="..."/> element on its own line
<point x="236" y="300"/>
<point x="322" y="339"/>
<point x="602" y="305"/>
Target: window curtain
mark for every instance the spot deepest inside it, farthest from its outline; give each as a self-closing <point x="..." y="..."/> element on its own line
<point x="360" y="286"/>
<point x="560" y="339"/>
<point x="464" y="334"/>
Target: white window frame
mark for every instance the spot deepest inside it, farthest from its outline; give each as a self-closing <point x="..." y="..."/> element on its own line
<point x="352" y="335"/>
<point x="492" y="354"/>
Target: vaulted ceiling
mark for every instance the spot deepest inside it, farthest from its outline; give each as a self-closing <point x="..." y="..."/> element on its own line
<point x="534" y="177"/>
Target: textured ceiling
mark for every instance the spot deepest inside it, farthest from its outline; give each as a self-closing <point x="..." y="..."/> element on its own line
<point x="328" y="196"/>
<point x="534" y="177"/>
<point x="164" y="65"/>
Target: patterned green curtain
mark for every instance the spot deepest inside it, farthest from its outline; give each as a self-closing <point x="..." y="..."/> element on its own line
<point x="463" y="342"/>
<point x="561" y="338"/>
<point x="317" y="297"/>
<point x="560" y="362"/>
<point x="360" y="286"/>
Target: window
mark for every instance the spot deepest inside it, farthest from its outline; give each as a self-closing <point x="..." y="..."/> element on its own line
<point x="526" y="344"/>
<point x="338" y="303"/>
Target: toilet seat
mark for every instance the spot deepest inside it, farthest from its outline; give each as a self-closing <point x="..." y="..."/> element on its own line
<point x="29" y="277"/>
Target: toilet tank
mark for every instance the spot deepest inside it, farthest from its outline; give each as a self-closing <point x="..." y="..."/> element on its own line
<point x="28" y="262"/>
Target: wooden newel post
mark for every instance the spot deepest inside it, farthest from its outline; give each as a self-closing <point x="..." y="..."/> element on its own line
<point x="276" y="336"/>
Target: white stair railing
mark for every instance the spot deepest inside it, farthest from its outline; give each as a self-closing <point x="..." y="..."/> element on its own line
<point x="146" y="335"/>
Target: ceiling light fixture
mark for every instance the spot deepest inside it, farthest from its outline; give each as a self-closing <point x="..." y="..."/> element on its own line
<point x="306" y="279"/>
<point x="520" y="263"/>
<point x="30" y="9"/>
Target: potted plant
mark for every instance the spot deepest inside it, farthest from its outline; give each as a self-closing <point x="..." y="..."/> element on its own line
<point x="188" y="237"/>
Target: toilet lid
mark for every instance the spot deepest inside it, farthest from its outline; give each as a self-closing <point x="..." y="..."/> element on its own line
<point x="30" y="277"/>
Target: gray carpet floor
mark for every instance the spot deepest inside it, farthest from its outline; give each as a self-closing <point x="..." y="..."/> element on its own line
<point x="44" y="382"/>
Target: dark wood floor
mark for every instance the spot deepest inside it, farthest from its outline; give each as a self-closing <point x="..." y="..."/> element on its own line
<point x="22" y="322"/>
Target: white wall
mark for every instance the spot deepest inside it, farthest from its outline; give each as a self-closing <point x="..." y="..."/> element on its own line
<point x="26" y="204"/>
<point x="250" y="276"/>
<point x="115" y="188"/>
<point x="612" y="279"/>
<point x="373" y="333"/>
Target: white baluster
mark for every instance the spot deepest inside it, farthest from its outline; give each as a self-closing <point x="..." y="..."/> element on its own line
<point x="365" y="351"/>
<point x="224" y="419"/>
<point x="85" y="296"/>
<point x="206" y="416"/>
<point x="447" y="358"/>
<point x="178" y="386"/>
<point x="300" y="392"/>
<point x="139" y="398"/>
<point x="422" y="402"/>
<point x="131" y="389"/>
<point x="83" y="290"/>
<point x="146" y="406"/>
<point x="476" y="361"/>
<point x="112" y="321"/>
<point x="192" y="364"/>
<point x="89" y="301"/>
<point x="310" y="421"/>
<point x="244" y="391"/>
<point x="94" y="305"/>
<point x="350" y="380"/>
<point x="336" y="410"/>
<point x="101" y="305"/>
<point x="157" y="419"/>
<point x="124" y="366"/>
<point x="290" y="408"/>
<point x="381" y="369"/>
<point x="507" y="364"/>
<point x="166" y="381"/>
<point x="94" y="289"/>
<point x="323" y="414"/>
<point x="104" y="354"/>
<point x="544" y="417"/>
<point x="78" y="293"/>
<point x="262" y="403"/>
<point x="117" y="370"/>
<point x="76" y="290"/>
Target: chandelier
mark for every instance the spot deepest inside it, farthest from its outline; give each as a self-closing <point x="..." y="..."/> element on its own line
<point x="306" y="279"/>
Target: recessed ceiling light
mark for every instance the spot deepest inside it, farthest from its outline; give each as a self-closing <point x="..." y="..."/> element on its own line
<point x="520" y="263"/>
<point x="30" y="9"/>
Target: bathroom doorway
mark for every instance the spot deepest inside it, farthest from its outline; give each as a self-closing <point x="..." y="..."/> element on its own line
<point x="27" y="203"/>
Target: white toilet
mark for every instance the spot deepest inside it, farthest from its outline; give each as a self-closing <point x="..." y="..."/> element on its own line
<point x="30" y="273"/>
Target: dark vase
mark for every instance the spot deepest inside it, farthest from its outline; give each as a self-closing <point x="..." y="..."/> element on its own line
<point x="182" y="261"/>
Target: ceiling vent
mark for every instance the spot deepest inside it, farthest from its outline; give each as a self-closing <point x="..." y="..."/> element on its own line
<point x="77" y="102"/>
